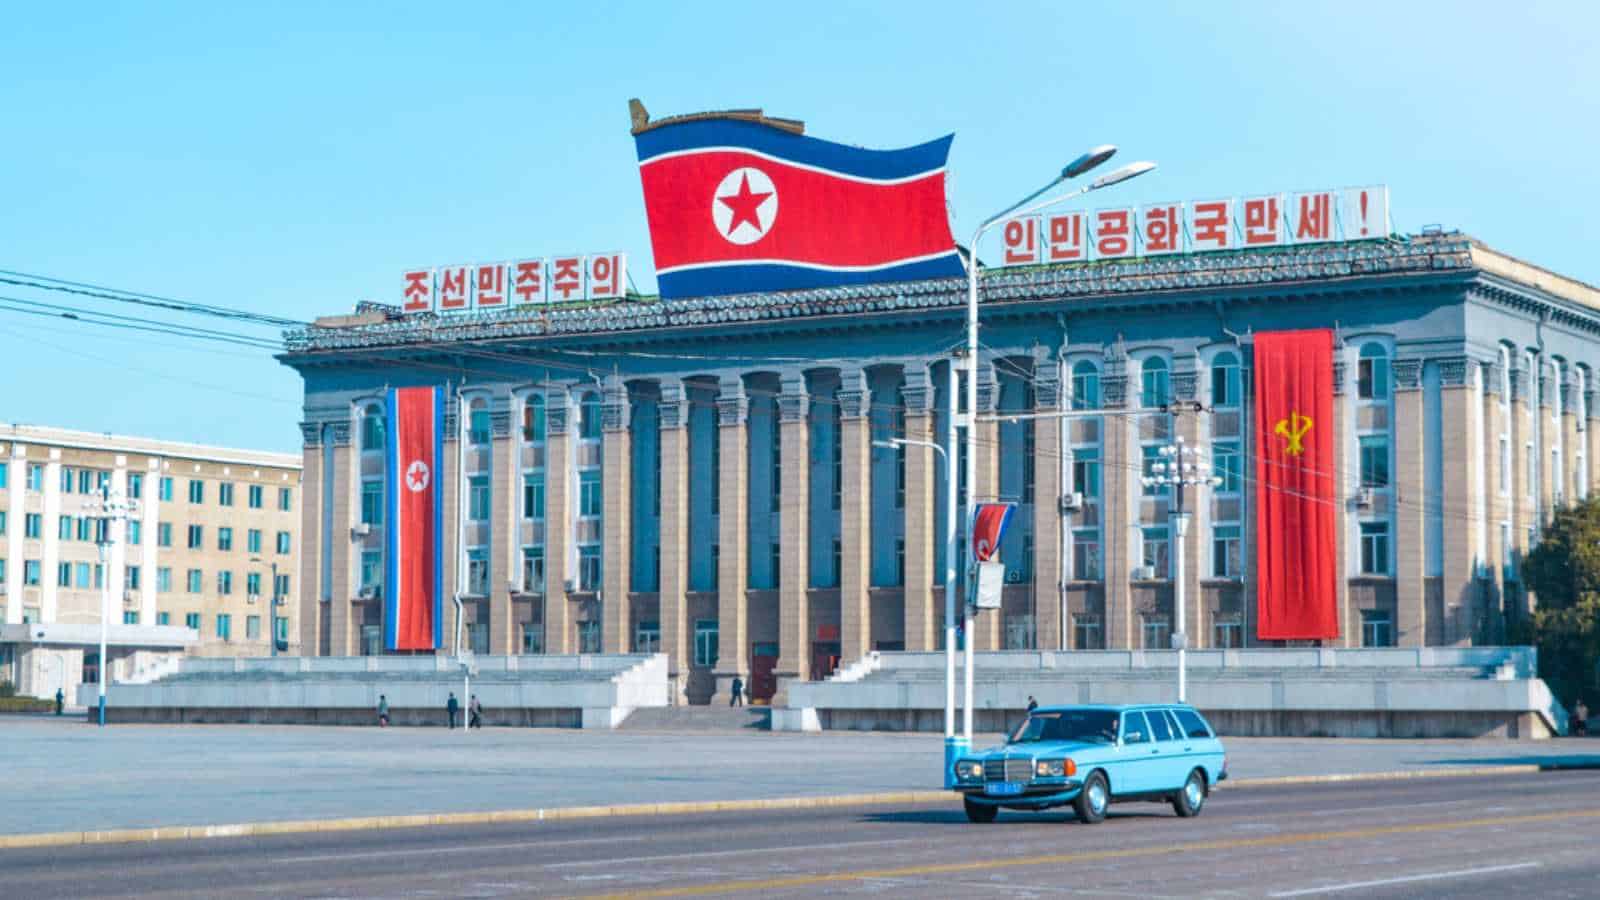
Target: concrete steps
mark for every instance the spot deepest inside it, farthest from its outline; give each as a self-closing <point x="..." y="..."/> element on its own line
<point x="699" y="718"/>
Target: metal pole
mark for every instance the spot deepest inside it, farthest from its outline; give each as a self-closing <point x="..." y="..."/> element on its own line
<point x="1180" y="639"/>
<point x="105" y="610"/>
<point x="272" y="614"/>
<point x="971" y="467"/>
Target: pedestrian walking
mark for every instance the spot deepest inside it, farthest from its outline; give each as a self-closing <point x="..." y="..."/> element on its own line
<point x="736" y="697"/>
<point x="1032" y="704"/>
<point x="61" y="701"/>
<point x="475" y="713"/>
<point x="383" y="711"/>
<point x="451" y="707"/>
<point x="1580" y="719"/>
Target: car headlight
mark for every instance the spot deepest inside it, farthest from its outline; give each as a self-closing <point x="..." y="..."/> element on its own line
<point x="1054" y="768"/>
<point x="967" y="770"/>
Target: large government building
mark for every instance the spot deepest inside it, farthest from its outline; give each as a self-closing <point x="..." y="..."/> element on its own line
<point x="194" y="572"/>
<point x="702" y="477"/>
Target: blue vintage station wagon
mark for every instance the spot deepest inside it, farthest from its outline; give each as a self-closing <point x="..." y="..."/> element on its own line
<point x="1093" y="756"/>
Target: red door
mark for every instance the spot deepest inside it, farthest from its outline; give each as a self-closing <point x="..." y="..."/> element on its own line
<point x="763" y="666"/>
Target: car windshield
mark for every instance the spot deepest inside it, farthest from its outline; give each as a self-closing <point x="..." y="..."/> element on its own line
<point x="1093" y="726"/>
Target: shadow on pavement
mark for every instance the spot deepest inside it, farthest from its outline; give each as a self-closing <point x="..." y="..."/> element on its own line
<point x="1571" y="761"/>
<point x="1007" y="817"/>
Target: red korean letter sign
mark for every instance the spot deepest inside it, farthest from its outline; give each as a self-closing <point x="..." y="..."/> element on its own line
<point x="1296" y="486"/>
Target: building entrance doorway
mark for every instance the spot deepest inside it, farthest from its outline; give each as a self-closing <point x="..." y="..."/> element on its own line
<point x="763" y="669"/>
<point x="824" y="659"/>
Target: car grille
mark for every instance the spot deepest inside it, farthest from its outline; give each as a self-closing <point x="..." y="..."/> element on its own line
<point x="1013" y="769"/>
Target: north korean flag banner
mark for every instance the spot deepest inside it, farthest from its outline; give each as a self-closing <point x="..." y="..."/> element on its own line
<point x="414" y="606"/>
<point x="1296" y="486"/>
<point x="989" y="529"/>
<point x="739" y="206"/>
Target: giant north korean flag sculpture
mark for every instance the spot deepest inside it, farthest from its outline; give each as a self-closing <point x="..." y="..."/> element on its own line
<point x="740" y="203"/>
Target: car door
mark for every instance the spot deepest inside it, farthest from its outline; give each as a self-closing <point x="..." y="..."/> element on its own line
<point x="1169" y="764"/>
<point x="1133" y="774"/>
<point x="1199" y="742"/>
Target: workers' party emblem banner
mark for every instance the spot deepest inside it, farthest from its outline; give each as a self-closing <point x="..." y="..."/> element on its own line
<point x="414" y="606"/>
<point x="989" y="529"/>
<point x="740" y="206"/>
<point x="1296" y="486"/>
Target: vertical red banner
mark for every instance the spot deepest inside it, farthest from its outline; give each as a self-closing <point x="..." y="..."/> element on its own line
<point x="1296" y="486"/>
<point x="413" y="607"/>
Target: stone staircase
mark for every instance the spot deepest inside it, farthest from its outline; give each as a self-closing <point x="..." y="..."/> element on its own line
<point x="699" y="718"/>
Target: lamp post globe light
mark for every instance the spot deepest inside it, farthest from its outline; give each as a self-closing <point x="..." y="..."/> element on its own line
<point x="1178" y="466"/>
<point x="956" y="746"/>
<point x="113" y="511"/>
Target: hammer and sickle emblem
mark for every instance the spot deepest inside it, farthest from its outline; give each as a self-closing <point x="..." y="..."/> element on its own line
<point x="1293" y="429"/>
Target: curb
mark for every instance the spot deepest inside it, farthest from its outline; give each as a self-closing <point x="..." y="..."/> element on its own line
<point x="558" y="814"/>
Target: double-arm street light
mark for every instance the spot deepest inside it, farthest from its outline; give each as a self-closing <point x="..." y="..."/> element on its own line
<point x="1178" y="467"/>
<point x="954" y="747"/>
<point x="272" y="613"/>
<point x="113" y="510"/>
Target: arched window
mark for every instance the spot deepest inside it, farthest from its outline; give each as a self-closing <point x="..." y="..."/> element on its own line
<point x="478" y="430"/>
<point x="1156" y="383"/>
<point x="589" y="416"/>
<point x="533" y="429"/>
<point x="1226" y="388"/>
<point x="372" y="435"/>
<point x="1372" y="372"/>
<point x="1085" y="385"/>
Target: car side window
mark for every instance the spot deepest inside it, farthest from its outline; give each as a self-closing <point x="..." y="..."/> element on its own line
<point x="1178" y="731"/>
<point x="1134" y="729"/>
<point x="1193" y="725"/>
<point x="1160" y="728"/>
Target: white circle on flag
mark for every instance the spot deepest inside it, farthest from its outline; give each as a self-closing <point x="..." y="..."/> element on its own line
<point x="417" y="476"/>
<point x="744" y="205"/>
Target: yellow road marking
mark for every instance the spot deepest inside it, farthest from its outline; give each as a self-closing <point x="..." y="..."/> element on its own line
<point x="1282" y="840"/>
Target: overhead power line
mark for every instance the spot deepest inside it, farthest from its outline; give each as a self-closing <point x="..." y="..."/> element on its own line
<point x="139" y="298"/>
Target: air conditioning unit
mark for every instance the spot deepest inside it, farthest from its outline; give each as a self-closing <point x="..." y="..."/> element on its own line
<point x="571" y="585"/>
<point x="1014" y="577"/>
<point x="1364" y="498"/>
<point x="130" y="601"/>
<point x="367" y="593"/>
<point x="1071" y="502"/>
<point x="251" y="598"/>
<point x="1144" y="573"/>
<point x="360" y="531"/>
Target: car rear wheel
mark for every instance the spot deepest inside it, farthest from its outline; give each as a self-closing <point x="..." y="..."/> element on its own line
<point x="1187" y="802"/>
<point x="1092" y="801"/>
<point x="980" y="813"/>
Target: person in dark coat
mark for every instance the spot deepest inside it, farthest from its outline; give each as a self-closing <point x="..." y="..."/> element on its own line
<point x="383" y="711"/>
<point x="451" y="707"/>
<point x="736" y="694"/>
<point x="61" y="701"/>
<point x="475" y="713"/>
<point x="1032" y="703"/>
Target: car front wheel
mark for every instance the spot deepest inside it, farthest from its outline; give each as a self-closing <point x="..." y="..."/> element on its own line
<point x="980" y="813"/>
<point x="1092" y="801"/>
<point x="1187" y="802"/>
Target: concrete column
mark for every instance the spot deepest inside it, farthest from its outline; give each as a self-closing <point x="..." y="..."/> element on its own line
<point x="559" y="502"/>
<point x="794" y="527"/>
<point x="1496" y="504"/>
<point x="1591" y="439"/>
<point x="1185" y="388"/>
<point x="1347" y="483"/>
<point x="1120" y="508"/>
<point x="855" y="516"/>
<point x="987" y="625"/>
<point x="343" y="630"/>
<point x="312" y="611"/>
<point x="733" y="532"/>
<point x="1522" y="383"/>
<point x="505" y="550"/>
<point x="674" y="420"/>
<point x="616" y="478"/>
<point x="1410" y="537"/>
<point x="1570" y="436"/>
<point x="16" y="494"/>
<point x="1047" y="489"/>
<point x="1463" y="458"/>
<point x="450" y="490"/>
<point x="1549" y="437"/>
<point x="921" y="621"/>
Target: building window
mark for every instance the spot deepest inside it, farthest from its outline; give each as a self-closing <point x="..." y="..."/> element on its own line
<point x="164" y="579"/>
<point x="30" y="572"/>
<point x="1086" y="472"/>
<point x="253" y="494"/>
<point x="1028" y="447"/>
<point x="589" y="417"/>
<point x="1227" y="463"/>
<point x="2" y="571"/>
<point x="163" y="534"/>
<point x="478" y="571"/>
<point x="130" y="617"/>
<point x="1372" y="373"/>
<point x="1505" y="465"/>
<point x="225" y="493"/>
<point x="283" y="542"/>
<point x="1154" y="545"/>
<point x="64" y="528"/>
<point x="197" y="491"/>
<point x="372" y="502"/>
<point x="135" y="486"/>
<point x="899" y="562"/>
<point x="280" y="587"/>
<point x="1085" y="385"/>
<point x="371" y="572"/>
<point x="478" y="428"/>
<point x="1155" y="383"/>
<point x="589" y="637"/>
<point x="224" y="582"/>
<point x="372" y="640"/>
<point x="1374" y="548"/>
<point x="252" y="628"/>
<point x="224" y="538"/>
<point x="647" y="637"/>
<point x="838" y="562"/>
<point x="1226" y="391"/>
<point x="533" y="569"/>
<point x="4" y="470"/>
<point x="66" y="480"/>
<point x="1157" y="631"/>
<point x="164" y="490"/>
<point x="533" y="495"/>
<point x="532" y="639"/>
<point x="533" y="428"/>
<point x="252" y="540"/>
<point x="163" y="618"/>
<point x="1374" y="460"/>
<point x="91" y="529"/>
<point x="705" y="643"/>
<point x="225" y="626"/>
<point x="589" y="494"/>
<point x="194" y="581"/>
<point x="64" y="574"/>
<point x="285" y="499"/>
<point x="478" y="498"/>
<point x="1377" y="628"/>
<point x="1226" y="560"/>
<point x="1087" y="633"/>
<point x="191" y="620"/>
<point x="372" y="429"/>
<point x="32" y="525"/>
<point x="35" y="477"/>
<point x="589" y="567"/>
<point x="1086" y="554"/>
<point x="196" y="536"/>
<point x="1227" y="632"/>
<point x="252" y="584"/>
<point x="135" y="530"/>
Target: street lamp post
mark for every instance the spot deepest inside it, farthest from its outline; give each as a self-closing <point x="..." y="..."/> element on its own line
<point x="1178" y="468"/>
<point x="1026" y="205"/>
<point x="272" y="611"/>
<point x="113" y="510"/>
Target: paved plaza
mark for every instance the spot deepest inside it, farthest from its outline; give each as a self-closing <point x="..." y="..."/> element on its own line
<point x="67" y="775"/>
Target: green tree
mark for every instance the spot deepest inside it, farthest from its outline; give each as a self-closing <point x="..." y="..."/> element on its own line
<point x="1563" y="572"/>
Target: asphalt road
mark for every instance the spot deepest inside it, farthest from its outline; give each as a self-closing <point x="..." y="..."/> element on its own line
<point x="1525" y="835"/>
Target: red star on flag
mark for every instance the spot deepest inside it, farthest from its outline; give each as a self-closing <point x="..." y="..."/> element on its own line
<point x="744" y="205"/>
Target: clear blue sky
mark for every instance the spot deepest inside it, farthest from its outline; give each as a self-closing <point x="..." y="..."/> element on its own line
<point x="296" y="159"/>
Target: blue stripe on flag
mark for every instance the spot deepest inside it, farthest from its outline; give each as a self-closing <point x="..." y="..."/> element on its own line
<point x="391" y="534"/>
<point x="438" y="517"/>
<point x="842" y="158"/>
<point x="750" y="278"/>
